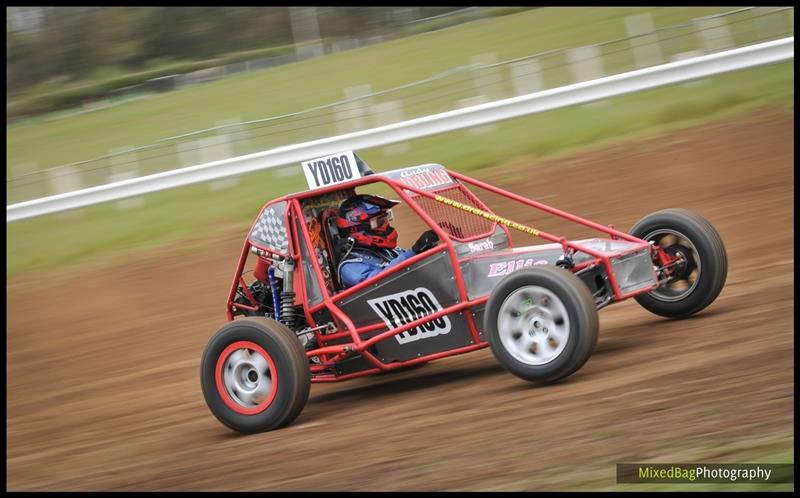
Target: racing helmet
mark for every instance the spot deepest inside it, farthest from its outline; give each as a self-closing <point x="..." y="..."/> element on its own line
<point x="365" y="218"/>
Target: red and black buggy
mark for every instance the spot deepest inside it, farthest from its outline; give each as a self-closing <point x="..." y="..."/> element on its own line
<point x="535" y="306"/>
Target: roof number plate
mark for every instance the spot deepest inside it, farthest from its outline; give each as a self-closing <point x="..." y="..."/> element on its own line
<point x="330" y="170"/>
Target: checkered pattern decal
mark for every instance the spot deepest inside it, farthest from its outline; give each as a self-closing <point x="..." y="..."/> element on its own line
<point x="269" y="231"/>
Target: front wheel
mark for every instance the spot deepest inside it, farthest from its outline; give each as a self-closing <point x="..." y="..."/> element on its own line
<point x="702" y="264"/>
<point x="541" y="324"/>
<point x="254" y="375"/>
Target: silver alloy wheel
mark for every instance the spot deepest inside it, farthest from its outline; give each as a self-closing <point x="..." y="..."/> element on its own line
<point x="533" y="325"/>
<point x="247" y="377"/>
<point x="677" y="288"/>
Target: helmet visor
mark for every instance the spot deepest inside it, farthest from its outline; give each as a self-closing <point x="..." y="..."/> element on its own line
<point x="380" y="220"/>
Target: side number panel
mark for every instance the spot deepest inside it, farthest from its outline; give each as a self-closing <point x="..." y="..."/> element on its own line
<point x="398" y="299"/>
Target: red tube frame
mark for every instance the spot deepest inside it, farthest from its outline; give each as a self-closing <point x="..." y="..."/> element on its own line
<point x="358" y="345"/>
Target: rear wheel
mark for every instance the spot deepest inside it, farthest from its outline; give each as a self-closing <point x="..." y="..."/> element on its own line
<point x="541" y="324"/>
<point x="254" y="375"/>
<point x="702" y="266"/>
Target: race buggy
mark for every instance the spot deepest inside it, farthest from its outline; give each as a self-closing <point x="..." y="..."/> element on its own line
<point x="535" y="306"/>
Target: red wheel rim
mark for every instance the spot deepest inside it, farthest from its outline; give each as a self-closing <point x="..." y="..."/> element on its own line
<point x="243" y="373"/>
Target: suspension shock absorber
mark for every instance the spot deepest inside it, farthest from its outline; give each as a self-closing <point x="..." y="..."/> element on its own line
<point x="287" y="315"/>
<point x="273" y="287"/>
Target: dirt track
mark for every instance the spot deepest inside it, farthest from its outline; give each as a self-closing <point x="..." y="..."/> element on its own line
<point x="103" y="366"/>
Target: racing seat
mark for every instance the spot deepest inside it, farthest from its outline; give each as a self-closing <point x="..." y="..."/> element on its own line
<point x="336" y="244"/>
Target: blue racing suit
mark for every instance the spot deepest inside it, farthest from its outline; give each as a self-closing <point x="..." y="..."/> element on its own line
<point x="363" y="263"/>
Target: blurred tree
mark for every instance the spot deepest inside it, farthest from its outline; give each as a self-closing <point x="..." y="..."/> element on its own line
<point x="245" y="27"/>
<point x="163" y="35"/>
<point x="114" y="38"/>
<point x="73" y="43"/>
<point x="16" y="75"/>
<point x="349" y="22"/>
<point x="270" y="26"/>
<point x="64" y="42"/>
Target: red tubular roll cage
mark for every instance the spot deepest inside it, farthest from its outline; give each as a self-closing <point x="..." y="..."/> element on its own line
<point x="330" y="354"/>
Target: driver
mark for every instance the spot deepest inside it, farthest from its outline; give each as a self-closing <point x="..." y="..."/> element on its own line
<point x="365" y="219"/>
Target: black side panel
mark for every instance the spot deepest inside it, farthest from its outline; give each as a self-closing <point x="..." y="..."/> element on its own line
<point x="420" y="290"/>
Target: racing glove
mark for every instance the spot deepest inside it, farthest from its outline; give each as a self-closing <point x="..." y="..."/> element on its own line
<point x="425" y="241"/>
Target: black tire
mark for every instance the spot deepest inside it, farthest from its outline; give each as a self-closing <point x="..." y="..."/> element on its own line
<point x="287" y="396"/>
<point x="707" y="261"/>
<point x="576" y="304"/>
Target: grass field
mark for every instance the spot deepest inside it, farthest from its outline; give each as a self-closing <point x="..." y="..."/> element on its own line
<point x="319" y="81"/>
<point x="101" y="232"/>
